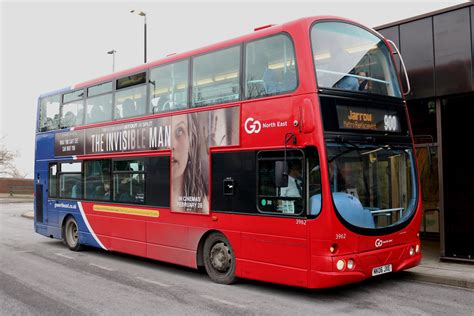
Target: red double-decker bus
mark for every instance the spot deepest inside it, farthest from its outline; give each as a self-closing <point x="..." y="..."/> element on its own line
<point x="284" y="156"/>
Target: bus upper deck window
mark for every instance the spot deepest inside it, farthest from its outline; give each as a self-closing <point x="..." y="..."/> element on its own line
<point x="348" y="57"/>
<point x="99" y="109"/>
<point x="130" y="102"/>
<point x="270" y="67"/>
<point x="216" y="77"/>
<point x="168" y="87"/>
<point x="49" y="113"/>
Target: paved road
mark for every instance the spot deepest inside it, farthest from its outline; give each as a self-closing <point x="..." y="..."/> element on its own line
<point x="40" y="276"/>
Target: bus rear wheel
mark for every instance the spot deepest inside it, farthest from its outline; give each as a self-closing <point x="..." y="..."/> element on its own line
<point x="219" y="259"/>
<point x="71" y="234"/>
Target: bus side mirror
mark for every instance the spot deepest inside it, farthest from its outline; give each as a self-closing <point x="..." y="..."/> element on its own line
<point x="281" y="174"/>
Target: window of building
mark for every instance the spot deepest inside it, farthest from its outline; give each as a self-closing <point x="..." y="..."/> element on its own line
<point x="129" y="181"/>
<point x="130" y="102"/>
<point x="73" y="96"/>
<point x="216" y="77"/>
<point x="70" y="180"/>
<point x="49" y="113"/>
<point x="99" y="89"/>
<point x="273" y="198"/>
<point x="169" y="87"/>
<point x="270" y="67"/>
<point x="97" y="180"/>
<point x="99" y="109"/>
<point x="53" y="180"/>
<point x="72" y="114"/>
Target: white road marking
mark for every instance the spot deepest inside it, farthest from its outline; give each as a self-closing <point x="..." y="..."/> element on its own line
<point x="153" y="282"/>
<point x="64" y="256"/>
<point x="101" y="267"/>
<point x="212" y="298"/>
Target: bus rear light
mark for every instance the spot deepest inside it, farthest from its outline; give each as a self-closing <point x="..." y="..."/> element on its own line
<point x="340" y="264"/>
<point x="333" y="248"/>
<point x="412" y="251"/>
<point x="350" y="264"/>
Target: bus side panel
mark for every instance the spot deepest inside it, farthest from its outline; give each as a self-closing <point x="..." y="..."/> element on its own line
<point x="43" y="153"/>
<point x="268" y="248"/>
<point x="117" y="232"/>
<point x="174" y="237"/>
<point x="273" y="273"/>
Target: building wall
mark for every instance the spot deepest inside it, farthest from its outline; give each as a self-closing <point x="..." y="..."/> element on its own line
<point x="20" y="186"/>
<point x="437" y="51"/>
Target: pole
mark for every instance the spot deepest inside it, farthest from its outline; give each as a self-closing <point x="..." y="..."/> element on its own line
<point x="145" y="38"/>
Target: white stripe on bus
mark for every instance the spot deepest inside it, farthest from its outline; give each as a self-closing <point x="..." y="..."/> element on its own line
<point x="89" y="226"/>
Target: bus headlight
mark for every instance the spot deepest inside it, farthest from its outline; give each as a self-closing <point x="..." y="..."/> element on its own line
<point x="340" y="264"/>
<point x="417" y="248"/>
<point x="412" y="251"/>
<point x="350" y="264"/>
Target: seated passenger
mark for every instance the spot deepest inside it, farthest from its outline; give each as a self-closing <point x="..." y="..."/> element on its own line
<point x="289" y="80"/>
<point x="68" y="120"/>
<point x="271" y="81"/>
<point x="129" y="108"/>
<point x="348" y="83"/>
<point x="97" y="114"/>
<point x="363" y="83"/>
<point x="76" y="191"/>
<point x="294" y="188"/>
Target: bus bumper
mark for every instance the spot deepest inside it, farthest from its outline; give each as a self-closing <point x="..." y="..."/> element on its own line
<point x="398" y="257"/>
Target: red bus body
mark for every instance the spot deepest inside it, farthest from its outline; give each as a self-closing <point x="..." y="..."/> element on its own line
<point x="296" y="251"/>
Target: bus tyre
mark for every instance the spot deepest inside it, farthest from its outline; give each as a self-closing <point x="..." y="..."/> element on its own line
<point x="219" y="259"/>
<point x="71" y="234"/>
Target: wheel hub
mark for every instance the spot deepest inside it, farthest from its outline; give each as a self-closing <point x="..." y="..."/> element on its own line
<point x="73" y="233"/>
<point x="220" y="256"/>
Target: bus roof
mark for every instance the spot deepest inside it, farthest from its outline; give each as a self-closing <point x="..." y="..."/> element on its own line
<point x="258" y="33"/>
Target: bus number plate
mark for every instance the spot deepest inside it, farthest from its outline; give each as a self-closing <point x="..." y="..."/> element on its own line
<point x="381" y="270"/>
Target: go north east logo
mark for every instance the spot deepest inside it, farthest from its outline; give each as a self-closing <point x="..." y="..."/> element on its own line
<point x="252" y="126"/>
<point x="380" y="243"/>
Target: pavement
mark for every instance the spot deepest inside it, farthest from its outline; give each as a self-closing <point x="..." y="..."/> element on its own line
<point x="430" y="270"/>
<point x="433" y="270"/>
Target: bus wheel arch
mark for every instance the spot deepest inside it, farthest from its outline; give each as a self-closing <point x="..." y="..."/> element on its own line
<point x="70" y="233"/>
<point x="216" y="255"/>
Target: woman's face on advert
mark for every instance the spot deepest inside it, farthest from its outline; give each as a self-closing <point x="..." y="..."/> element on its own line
<point x="180" y="143"/>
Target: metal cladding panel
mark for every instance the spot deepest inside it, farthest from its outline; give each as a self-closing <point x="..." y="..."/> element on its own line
<point x="472" y="47"/>
<point x="416" y="41"/>
<point x="453" y="53"/>
<point x="393" y="34"/>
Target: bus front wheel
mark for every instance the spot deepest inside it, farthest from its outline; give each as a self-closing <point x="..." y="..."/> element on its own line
<point x="219" y="259"/>
<point x="71" y="234"/>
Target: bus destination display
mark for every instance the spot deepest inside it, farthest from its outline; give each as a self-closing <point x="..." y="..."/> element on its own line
<point x="363" y="118"/>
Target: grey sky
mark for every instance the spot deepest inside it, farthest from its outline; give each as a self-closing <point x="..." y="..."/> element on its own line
<point x="49" y="45"/>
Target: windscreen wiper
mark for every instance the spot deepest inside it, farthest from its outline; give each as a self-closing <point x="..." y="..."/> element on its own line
<point x="341" y="140"/>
